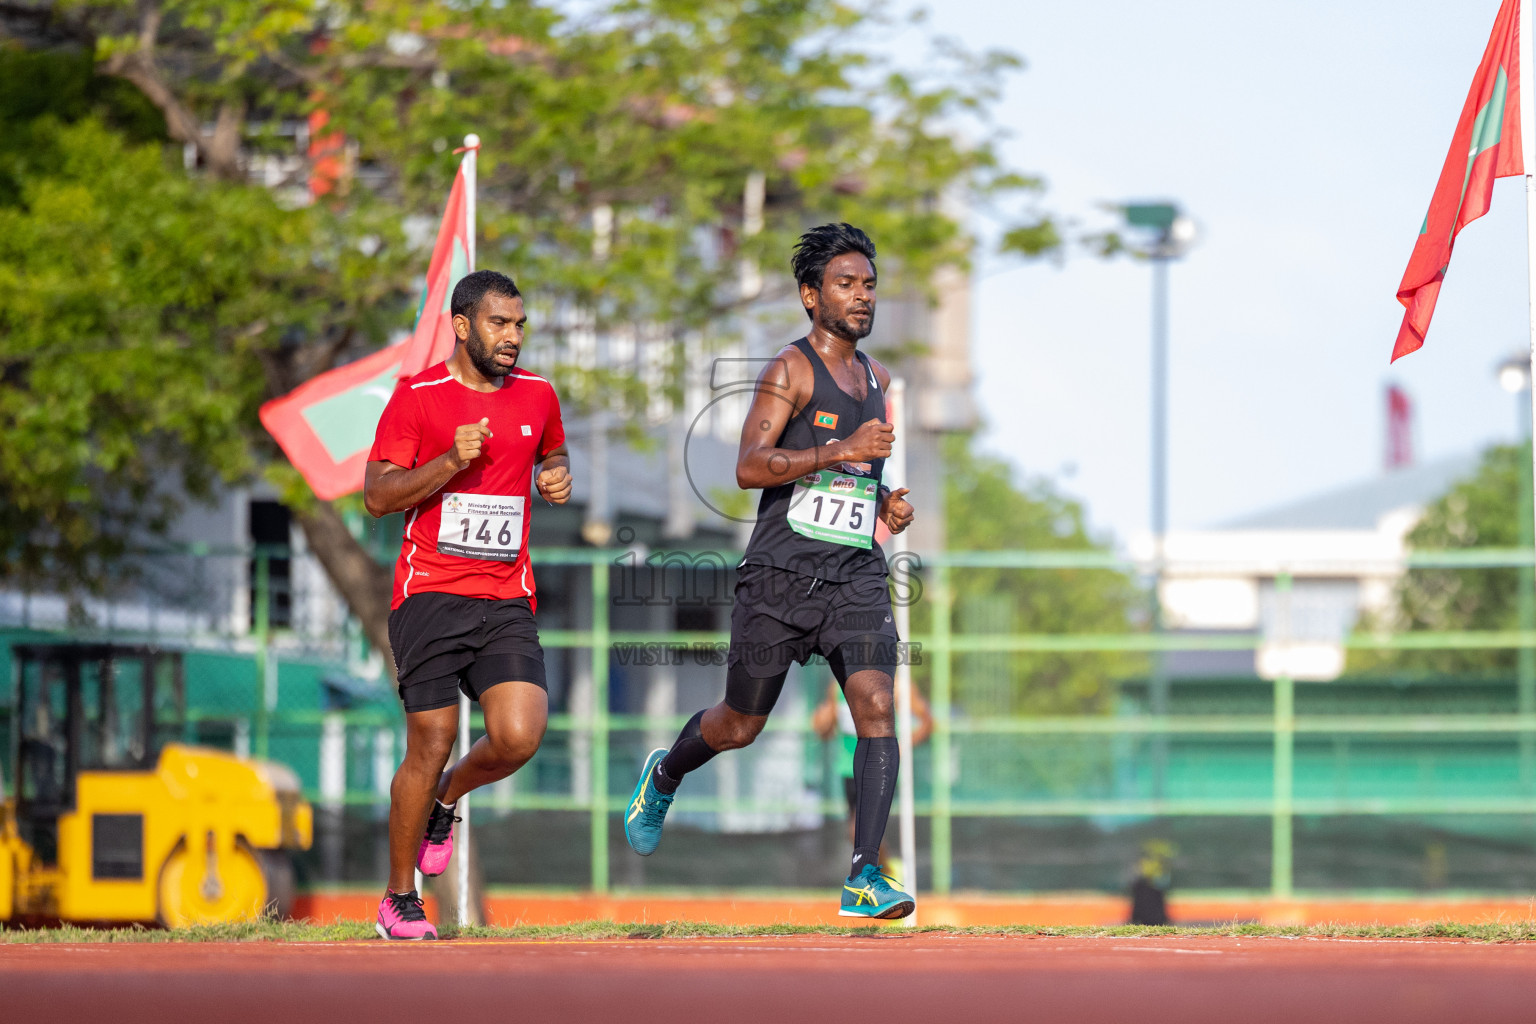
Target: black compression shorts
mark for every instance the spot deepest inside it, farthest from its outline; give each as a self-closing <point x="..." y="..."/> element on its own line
<point x="444" y="643"/>
<point x="782" y="617"/>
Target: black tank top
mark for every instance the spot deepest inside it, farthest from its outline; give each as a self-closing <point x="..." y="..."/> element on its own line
<point x="831" y="414"/>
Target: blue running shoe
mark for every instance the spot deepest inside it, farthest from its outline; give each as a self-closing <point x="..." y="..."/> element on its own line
<point x="647" y="809"/>
<point x="873" y="893"/>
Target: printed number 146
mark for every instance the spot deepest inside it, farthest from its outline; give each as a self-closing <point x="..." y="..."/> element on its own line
<point x="483" y="535"/>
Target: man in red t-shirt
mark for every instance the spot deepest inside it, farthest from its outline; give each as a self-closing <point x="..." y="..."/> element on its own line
<point x="455" y="451"/>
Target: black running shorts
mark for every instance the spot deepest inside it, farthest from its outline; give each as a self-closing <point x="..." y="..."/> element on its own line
<point x="782" y="617"/>
<point x="444" y="643"/>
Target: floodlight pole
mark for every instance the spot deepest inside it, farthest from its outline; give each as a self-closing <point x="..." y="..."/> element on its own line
<point x="1525" y="605"/>
<point x="1157" y="689"/>
<point x="1174" y="233"/>
<point x="1526" y="695"/>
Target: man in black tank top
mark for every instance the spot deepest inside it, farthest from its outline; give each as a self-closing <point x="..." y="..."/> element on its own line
<point x="813" y="580"/>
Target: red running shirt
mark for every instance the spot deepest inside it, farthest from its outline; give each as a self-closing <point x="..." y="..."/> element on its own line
<point x="471" y="537"/>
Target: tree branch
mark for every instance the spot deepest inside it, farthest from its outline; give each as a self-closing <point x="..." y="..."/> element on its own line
<point x="221" y="153"/>
<point x="364" y="584"/>
<point x="137" y="67"/>
<point x="327" y="354"/>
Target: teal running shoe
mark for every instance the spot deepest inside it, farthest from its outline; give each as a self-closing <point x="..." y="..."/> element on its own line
<point x="647" y="809"/>
<point x="873" y="893"/>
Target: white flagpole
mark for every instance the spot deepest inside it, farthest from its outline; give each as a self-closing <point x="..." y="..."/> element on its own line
<point x="896" y="478"/>
<point x="461" y="853"/>
<point x="471" y="157"/>
<point x="1528" y="165"/>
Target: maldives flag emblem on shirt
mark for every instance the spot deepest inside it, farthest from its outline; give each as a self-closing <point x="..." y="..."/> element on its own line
<point x="326" y="425"/>
<point x="826" y="419"/>
<point x="1486" y="146"/>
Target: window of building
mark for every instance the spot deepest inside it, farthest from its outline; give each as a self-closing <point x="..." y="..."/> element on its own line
<point x="271" y="530"/>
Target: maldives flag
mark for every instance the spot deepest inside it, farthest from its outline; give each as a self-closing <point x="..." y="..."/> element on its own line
<point x="1486" y="146"/>
<point x="325" y="426"/>
<point x="433" y="339"/>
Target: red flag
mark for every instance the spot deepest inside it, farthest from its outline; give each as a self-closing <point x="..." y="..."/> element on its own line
<point x="325" y="426"/>
<point x="1486" y="146"/>
<point x="433" y="339"/>
<point x="1399" y="428"/>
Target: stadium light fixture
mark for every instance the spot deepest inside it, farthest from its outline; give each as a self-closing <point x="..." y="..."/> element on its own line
<point x="1515" y="374"/>
<point x="1173" y="232"/>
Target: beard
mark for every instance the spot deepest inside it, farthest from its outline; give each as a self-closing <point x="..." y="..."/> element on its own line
<point x="482" y="358"/>
<point x="844" y="327"/>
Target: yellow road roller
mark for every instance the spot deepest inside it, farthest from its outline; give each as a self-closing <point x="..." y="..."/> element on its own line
<point x="111" y="819"/>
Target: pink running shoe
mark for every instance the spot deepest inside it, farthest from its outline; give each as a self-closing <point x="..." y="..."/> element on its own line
<point x="401" y="917"/>
<point x="437" y="844"/>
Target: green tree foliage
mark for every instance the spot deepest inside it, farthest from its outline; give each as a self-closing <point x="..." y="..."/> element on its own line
<point x="618" y="141"/>
<point x="82" y="467"/>
<point x="1483" y="511"/>
<point x="134" y="306"/>
<point x="40" y="90"/>
<point x="986" y="510"/>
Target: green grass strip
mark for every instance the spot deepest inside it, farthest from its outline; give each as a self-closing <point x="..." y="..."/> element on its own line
<point x="340" y="931"/>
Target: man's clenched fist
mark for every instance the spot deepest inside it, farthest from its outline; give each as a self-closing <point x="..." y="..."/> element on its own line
<point x="468" y="441"/>
<point x="871" y="441"/>
<point x="896" y="512"/>
<point x="555" y="484"/>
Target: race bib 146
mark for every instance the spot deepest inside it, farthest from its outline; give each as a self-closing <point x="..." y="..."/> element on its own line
<point x="835" y="507"/>
<point x="481" y="526"/>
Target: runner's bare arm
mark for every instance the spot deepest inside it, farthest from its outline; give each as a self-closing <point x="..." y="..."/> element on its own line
<point x="782" y="389"/>
<point x="554" y="476"/>
<point x="390" y="488"/>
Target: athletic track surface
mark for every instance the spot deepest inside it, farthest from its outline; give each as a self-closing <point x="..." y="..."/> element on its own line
<point x="885" y="977"/>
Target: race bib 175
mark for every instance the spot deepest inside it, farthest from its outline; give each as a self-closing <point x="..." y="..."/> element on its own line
<point x="835" y="507"/>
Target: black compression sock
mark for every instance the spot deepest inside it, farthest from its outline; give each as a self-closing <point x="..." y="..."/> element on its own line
<point x="875" y="761"/>
<point x="689" y="752"/>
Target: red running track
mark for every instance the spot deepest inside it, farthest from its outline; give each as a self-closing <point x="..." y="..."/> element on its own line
<point x="882" y="977"/>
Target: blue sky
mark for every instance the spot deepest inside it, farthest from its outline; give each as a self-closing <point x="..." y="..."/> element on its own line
<point x="1305" y="138"/>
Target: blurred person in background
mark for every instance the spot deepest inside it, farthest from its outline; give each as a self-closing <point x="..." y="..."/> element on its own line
<point x="1149" y="889"/>
<point x="813" y="579"/>
<point x="832" y="718"/>
<point x="455" y="450"/>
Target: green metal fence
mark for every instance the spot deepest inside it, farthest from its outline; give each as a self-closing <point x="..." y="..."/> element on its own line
<point x="1468" y="757"/>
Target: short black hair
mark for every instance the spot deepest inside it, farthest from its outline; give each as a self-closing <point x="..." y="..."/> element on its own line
<point x="820" y="246"/>
<point x="475" y="286"/>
